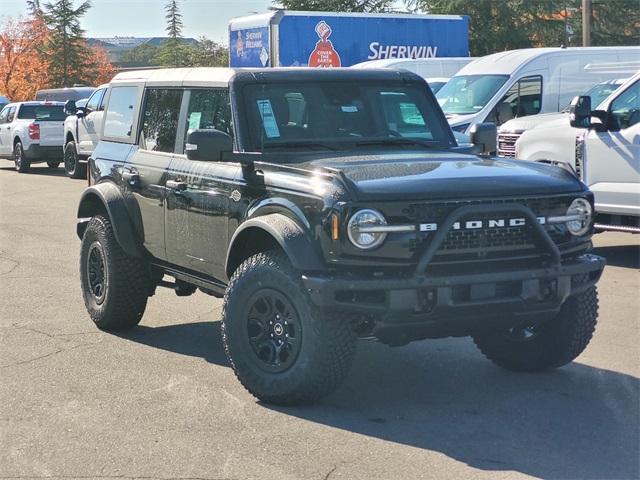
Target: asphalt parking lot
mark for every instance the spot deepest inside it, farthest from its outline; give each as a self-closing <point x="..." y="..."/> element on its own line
<point x="161" y="402"/>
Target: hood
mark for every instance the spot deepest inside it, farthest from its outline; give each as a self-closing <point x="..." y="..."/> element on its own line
<point x="442" y="175"/>
<point x="558" y="122"/>
<point x="519" y="125"/>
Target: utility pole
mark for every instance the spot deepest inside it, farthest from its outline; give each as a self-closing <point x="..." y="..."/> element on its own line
<point x="586" y="23"/>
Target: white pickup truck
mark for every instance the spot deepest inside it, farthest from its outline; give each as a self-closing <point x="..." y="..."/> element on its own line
<point x="81" y="132"/>
<point x="603" y="147"/>
<point x="32" y="132"/>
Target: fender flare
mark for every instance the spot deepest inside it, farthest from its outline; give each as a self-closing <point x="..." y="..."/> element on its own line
<point x="107" y="197"/>
<point x="293" y="240"/>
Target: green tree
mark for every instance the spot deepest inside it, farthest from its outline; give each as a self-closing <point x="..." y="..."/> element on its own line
<point x="71" y="58"/>
<point x="207" y="53"/>
<point x="372" y="6"/>
<point x="174" y="53"/>
<point x="143" y="54"/>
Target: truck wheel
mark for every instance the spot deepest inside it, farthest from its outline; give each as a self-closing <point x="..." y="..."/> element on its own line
<point x="23" y="164"/>
<point x="71" y="165"/>
<point x="549" y="345"/>
<point x="115" y="286"/>
<point x="280" y="346"/>
<point x="53" y="164"/>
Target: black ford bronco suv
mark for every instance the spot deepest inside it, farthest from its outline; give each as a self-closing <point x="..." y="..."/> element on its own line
<point x="326" y="205"/>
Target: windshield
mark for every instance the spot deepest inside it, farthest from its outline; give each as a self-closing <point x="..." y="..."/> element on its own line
<point x="467" y="94"/>
<point x="343" y="116"/>
<point x="598" y="93"/>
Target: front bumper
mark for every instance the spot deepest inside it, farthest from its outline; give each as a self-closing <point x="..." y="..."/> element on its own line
<point x="528" y="292"/>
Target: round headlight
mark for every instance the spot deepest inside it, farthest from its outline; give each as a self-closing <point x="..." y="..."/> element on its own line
<point x="363" y="229"/>
<point x="581" y="212"/>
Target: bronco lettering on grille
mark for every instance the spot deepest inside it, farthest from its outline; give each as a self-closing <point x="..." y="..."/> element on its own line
<point x="479" y="224"/>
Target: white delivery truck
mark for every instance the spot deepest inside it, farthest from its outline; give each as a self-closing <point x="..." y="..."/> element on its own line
<point x="603" y="147"/>
<point x="518" y="83"/>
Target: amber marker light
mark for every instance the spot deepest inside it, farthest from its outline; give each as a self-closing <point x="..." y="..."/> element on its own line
<point x="334" y="226"/>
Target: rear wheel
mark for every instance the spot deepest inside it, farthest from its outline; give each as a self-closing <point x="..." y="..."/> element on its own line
<point x="281" y="347"/>
<point x="71" y="164"/>
<point x="549" y="345"/>
<point x="115" y="286"/>
<point x="23" y="164"/>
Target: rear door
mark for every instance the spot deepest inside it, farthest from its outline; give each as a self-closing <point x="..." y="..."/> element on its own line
<point x="50" y="118"/>
<point x="612" y="157"/>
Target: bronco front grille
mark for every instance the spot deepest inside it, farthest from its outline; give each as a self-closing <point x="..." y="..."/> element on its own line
<point x="487" y="236"/>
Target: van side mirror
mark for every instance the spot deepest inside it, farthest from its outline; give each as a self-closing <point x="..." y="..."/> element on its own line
<point x="580" y="112"/>
<point x="207" y="144"/>
<point x="484" y="136"/>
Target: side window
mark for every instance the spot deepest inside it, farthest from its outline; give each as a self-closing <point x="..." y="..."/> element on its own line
<point x="160" y="119"/>
<point x="209" y="109"/>
<point x="118" y="119"/>
<point x="524" y="98"/>
<point x="4" y="115"/>
<point x="95" y="100"/>
<point x="625" y="110"/>
<point x="11" y="114"/>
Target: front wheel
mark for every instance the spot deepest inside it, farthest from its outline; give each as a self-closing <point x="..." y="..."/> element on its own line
<point x="281" y="347"/>
<point x="71" y="164"/>
<point x="23" y="164"/>
<point x="115" y="286"/>
<point x="546" y="346"/>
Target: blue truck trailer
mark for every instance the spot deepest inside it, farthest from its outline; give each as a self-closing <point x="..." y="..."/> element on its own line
<point x="326" y="39"/>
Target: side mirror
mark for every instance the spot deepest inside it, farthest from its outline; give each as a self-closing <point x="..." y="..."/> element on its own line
<point x="484" y="136"/>
<point x="207" y="144"/>
<point x="70" y="107"/>
<point x="580" y="112"/>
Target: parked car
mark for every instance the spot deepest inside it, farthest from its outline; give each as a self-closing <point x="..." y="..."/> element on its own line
<point x="76" y="92"/>
<point x="509" y="132"/>
<point x="602" y="147"/>
<point x="4" y="101"/>
<point x="323" y="205"/>
<point x="32" y="132"/>
<point x="81" y="131"/>
<point x="531" y="81"/>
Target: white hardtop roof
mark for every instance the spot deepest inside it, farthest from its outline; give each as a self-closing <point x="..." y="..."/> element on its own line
<point x="177" y="76"/>
<point x="507" y="62"/>
<point x="393" y="62"/>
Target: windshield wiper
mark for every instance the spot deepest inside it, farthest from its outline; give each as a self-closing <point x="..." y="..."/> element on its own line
<point x="396" y="142"/>
<point x="303" y="144"/>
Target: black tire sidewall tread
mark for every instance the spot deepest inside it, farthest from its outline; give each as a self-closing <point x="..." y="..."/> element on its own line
<point x="559" y="342"/>
<point x="328" y="341"/>
<point x="75" y="173"/>
<point x="24" y="164"/>
<point x="127" y="289"/>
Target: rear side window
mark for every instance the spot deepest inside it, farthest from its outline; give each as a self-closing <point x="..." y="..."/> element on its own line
<point x="118" y="119"/>
<point x="160" y="119"/>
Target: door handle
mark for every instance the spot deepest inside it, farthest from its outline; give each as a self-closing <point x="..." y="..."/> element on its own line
<point x="131" y="177"/>
<point x="176" y="185"/>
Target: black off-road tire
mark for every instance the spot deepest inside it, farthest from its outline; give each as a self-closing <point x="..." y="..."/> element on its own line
<point x="549" y="345"/>
<point x="53" y="164"/>
<point x="280" y="346"/>
<point x="115" y="286"/>
<point x="71" y="164"/>
<point x="23" y="164"/>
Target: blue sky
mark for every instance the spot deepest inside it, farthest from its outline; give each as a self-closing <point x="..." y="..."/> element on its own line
<point x="145" y="18"/>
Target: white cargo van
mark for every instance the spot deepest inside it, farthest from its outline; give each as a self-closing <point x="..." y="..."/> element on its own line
<point x="432" y="67"/>
<point x="517" y="83"/>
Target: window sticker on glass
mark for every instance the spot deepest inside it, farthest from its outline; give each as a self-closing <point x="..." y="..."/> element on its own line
<point x="194" y="120"/>
<point x="268" y="119"/>
<point x="349" y="108"/>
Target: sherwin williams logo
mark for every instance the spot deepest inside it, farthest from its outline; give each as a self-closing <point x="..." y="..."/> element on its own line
<point x="324" y="54"/>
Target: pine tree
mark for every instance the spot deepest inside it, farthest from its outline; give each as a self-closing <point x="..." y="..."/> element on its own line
<point x="71" y="58"/>
<point x="173" y="53"/>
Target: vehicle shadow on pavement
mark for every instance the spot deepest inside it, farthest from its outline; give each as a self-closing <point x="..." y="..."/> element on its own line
<point x="199" y="339"/>
<point x="39" y="169"/>
<point x="620" y="255"/>
<point x="575" y="422"/>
